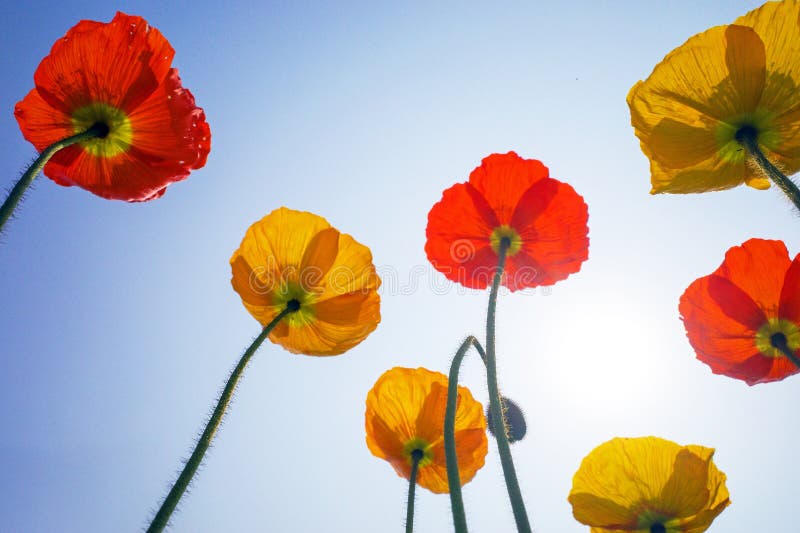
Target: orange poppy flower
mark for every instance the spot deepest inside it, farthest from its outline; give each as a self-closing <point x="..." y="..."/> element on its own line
<point x="737" y="317"/>
<point x="508" y="198"/>
<point x="405" y="414"/>
<point x="294" y="258"/>
<point x="117" y="74"/>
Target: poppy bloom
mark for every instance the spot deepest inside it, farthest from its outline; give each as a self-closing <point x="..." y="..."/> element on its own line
<point x="405" y="414"/>
<point x="695" y="111"/>
<point x="118" y="75"/>
<point x="648" y="484"/>
<point x="738" y="317"/>
<point x="293" y="258"/>
<point x="511" y="201"/>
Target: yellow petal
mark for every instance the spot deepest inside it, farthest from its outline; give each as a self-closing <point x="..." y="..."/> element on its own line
<point x="351" y="271"/>
<point x="628" y="484"/>
<point x="319" y="256"/>
<point x="778" y="26"/>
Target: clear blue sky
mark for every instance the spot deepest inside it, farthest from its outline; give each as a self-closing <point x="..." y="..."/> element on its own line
<point x="118" y="325"/>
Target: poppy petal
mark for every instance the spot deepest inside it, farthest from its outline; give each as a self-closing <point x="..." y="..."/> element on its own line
<point x="758" y="267"/>
<point x="458" y="231"/>
<point x="503" y="178"/>
<point x="551" y="219"/>
<point x="790" y="293"/>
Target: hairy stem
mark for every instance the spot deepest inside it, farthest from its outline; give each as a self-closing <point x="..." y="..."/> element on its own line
<point x="416" y="456"/>
<point x="161" y="519"/>
<point x="495" y="405"/>
<point x="451" y="458"/>
<point x="747" y="137"/>
<point x="11" y="202"/>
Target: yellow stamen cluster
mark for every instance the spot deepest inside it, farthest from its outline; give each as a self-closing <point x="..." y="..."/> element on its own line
<point x="777" y="326"/>
<point x="506" y="232"/>
<point x="120" y="131"/>
<point x="418" y="444"/>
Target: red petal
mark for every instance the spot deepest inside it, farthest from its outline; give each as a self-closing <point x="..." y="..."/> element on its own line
<point x="758" y="267"/>
<point x="719" y="340"/>
<point x="552" y="220"/>
<point x="459" y="227"/>
<point x="790" y="294"/>
<point x="735" y="303"/>
<point x="119" y="63"/>
<point x="503" y="178"/>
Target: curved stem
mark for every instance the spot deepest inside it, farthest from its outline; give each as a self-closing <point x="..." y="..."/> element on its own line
<point x="11" y="202"/>
<point x="416" y="456"/>
<point x="451" y="457"/>
<point x="161" y="519"/>
<point x="514" y="493"/>
<point x="747" y="137"/>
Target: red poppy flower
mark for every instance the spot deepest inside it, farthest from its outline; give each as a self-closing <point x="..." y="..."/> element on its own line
<point x="542" y="219"/>
<point x="117" y="74"/>
<point x="737" y="317"/>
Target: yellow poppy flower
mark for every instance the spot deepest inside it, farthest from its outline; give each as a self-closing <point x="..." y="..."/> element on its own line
<point x="405" y="417"/>
<point x="296" y="259"/>
<point x="648" y="485"/>
<point x="693" y="113"/>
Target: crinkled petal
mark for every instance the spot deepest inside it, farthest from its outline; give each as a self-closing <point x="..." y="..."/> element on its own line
<point x="623" y="481"/>
<point x="120" y="63"/>
<point x="551" y="219"/>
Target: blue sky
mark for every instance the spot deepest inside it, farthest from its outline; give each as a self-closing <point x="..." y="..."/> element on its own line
<point x="119" y="326"/>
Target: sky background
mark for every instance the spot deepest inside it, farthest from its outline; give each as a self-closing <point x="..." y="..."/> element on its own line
<point x="118" y="324"/>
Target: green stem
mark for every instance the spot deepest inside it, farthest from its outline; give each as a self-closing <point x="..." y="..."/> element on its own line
<point x="161" y="519"/>
<point x="451" y="458"/>
<point x="779" y="341"/>
<point x="11" y="202"/>
<point x="416" y="456"/>
<point x="514" y="493"/>
<point x="748" y="138"/>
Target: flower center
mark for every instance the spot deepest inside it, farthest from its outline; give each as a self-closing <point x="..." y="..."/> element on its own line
<point x="119" y="132"/>
<point x="658" y="528"/>
<point x="731" y="134"/>
<point x="300" y="302"/>
<point x="418" y="449"/>
<point x="776" y="333"/>
<point x="509" y="237"/>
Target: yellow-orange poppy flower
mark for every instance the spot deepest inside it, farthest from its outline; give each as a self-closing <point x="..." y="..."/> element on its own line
<point x="648" y="485"/>
<point x="293" y="258"/>
<point x="118" y="75"/>
<point x="405" y="414"/>
<point x="725" y="83"/>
